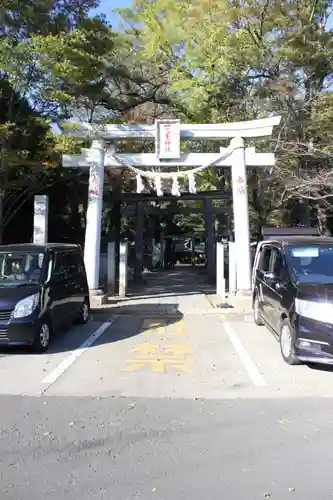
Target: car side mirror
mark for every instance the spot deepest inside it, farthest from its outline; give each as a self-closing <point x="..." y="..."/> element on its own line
<point x="270" y="276"/>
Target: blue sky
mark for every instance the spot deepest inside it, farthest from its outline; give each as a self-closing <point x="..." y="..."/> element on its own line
<point x="107" y="6"/>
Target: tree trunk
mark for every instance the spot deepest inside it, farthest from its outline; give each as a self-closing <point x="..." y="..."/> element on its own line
<point x="1" y="215"/>
<point x="3" y="191"/>
<point x="322" y="220"/>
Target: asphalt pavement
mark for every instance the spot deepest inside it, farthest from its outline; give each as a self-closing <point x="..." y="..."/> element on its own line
<point x="179" y="405"/>
<point x="133" y="448"/>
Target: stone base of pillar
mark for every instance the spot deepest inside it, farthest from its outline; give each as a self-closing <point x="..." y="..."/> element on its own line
<point x="97" y="292"/>
<point x="244" y="293"/>
<point x="98" y="300"/>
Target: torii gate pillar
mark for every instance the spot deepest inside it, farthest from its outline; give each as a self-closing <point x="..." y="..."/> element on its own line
<point x="92" y="244"/>
<point x="241" y="215"/>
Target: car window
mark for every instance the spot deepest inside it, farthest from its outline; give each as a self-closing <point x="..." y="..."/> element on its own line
<point x="265" y="258"/>
<point x="76" y="262"/>
<point x="71" y="264"/>
<point x="276" y="264"/>
<point x="59" y="265"/>
<point x="312" y="264"/>
<point x="17" y="268"/>
<point x="80" y="263"/>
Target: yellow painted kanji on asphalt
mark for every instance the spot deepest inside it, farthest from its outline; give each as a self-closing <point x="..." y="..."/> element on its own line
<point x="159" y="358"/>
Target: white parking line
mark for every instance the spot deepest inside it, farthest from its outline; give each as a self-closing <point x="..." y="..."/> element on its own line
<point x="69" y="360"/>
<point x="252" y="370"/>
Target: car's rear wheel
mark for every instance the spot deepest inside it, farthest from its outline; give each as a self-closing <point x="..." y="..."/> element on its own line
<point x="42" y="337"/>
<point x="256" y="311"/>
<point x="83" y="316"/>
<point x="287" y="343"/>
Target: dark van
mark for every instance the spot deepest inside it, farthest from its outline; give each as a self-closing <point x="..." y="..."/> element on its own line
<point x="42" y="288"/>
<point x="293" y="295"/>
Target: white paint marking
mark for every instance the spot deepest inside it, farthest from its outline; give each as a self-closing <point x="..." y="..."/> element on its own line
<point x="252" y="370"/>
<point x="67" y="362"/>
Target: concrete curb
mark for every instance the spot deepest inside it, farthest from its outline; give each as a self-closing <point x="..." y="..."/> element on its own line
<point x="158" y="314"/>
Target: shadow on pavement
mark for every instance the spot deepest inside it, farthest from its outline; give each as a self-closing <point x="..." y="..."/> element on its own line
<point x="180" y="281"/>
<point x="320" y="368"/>
<point x="131" y="321"/>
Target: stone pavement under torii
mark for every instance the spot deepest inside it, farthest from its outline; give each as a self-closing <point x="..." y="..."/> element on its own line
<point x="180" y="291"/>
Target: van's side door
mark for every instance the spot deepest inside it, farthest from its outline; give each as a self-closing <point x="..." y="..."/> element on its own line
<point x="275" y="287"/>
<point x="58" y="292"/>
<point x="76" y="281"/>
<point x="262" y="268"/>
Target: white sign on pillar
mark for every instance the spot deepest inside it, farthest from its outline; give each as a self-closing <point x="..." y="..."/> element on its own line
<point x="41" y="215"/>
<point x="220" y="280"/>
<point x="241" y="215"/>
<point x="94" y="217"/>
<point x="123" y="268"/>
<point x="162" y="248"/>
<point x="111" y="267"/>
<point x="232" y="268"/>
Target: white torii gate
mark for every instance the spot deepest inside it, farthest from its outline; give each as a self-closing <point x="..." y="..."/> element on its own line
<point x="168" y="155"/>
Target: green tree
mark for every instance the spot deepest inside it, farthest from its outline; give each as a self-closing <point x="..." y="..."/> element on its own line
<point x="27" y="100"/>
<point x="228" y="61"/>
<point x="26" y="149"/>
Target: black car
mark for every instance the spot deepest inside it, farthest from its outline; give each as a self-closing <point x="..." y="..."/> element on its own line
<point x="42" y="288"/>
<point x="293" y="295"/>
